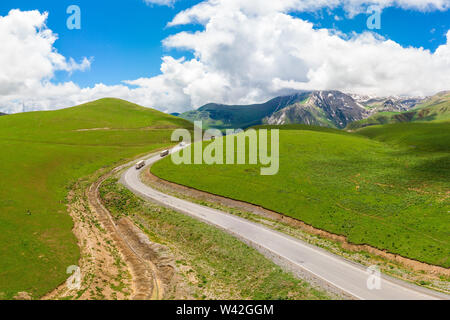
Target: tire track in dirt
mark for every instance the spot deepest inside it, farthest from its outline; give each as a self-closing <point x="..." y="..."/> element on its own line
<point x="111" y="245"/>
<point x="133" y="245"/>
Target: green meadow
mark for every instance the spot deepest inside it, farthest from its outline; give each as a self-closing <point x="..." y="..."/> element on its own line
<point x="42" y="155"/>
<point x="386" y="186"/>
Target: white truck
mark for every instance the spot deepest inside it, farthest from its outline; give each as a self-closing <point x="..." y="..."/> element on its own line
<point x="164" y="153"/>
<point x="140" y="164"/>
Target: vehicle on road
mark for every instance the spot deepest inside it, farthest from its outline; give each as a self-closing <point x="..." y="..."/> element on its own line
<point x="140" y="164"/>
<point x="164" y="153"/>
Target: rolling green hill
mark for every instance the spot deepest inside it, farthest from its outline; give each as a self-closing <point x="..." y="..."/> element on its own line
<point x="302" y="127"/>
<point x="436" y="108"/>
<point x="438" y="98"/>
<point x="43" y="153"/>
<point x="419" y="136"/>
<point x="386" y="186"/>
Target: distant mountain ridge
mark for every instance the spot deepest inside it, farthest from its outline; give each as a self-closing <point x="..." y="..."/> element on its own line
<point x="223" y="116"/>
<point x="324" y="108"/>
<point x="387" y="104"/>
<point x="435" y="108"/>
<point x="327" y="108"/>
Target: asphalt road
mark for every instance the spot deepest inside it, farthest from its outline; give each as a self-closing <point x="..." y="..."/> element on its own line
<point x="344" y="275"/>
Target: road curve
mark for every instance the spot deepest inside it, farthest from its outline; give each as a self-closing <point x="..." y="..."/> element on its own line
<point x="344" y="275"/>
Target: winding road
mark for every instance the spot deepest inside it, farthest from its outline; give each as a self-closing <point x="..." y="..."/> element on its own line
<point x="345" y="276"/>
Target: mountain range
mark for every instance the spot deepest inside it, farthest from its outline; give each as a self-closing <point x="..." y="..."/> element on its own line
<point x="435" y="108"/>
<point x="223" y="116"/>
<point x="330" y="108"/>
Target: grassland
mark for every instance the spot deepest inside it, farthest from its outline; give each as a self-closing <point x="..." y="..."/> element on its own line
<point x="221" y="266"/>
<point x="43" y="154"/>
<point x="384" y="186"/>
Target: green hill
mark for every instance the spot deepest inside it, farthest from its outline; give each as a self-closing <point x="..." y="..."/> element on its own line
<point x="384" y="186"/>
<point x="302" y="127"/>
<point x="438" y="98"/>
<point x="419" y="136"/>
<point x="436" y="108"/>
<point x="43" y="153"/>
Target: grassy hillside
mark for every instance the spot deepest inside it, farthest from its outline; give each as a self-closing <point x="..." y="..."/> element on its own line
<point x="230" y="269"/>
<point x="420" y="136"/>
<point x="302" y="127"/>
<point x="437" y="108"/>
<point x="43" y="153"/>
<point x="438" y="98"/>
<point x="379" y="191"/>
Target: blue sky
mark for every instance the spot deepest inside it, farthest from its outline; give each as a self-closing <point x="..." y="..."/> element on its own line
<point x="224" y="51"/>
<point x="124" y="37"/>
<point x="406" y="27"/>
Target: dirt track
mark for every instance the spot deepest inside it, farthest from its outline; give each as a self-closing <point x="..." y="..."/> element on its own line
<point x="118" y="261"/>
<point x="134" y="247"/>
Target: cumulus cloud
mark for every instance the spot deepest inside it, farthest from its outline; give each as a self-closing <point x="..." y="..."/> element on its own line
<point x="258" y="50"/>
<point x="208" y="9"/>
<point x="28" y="59"/>
<point x="248" y="51"/>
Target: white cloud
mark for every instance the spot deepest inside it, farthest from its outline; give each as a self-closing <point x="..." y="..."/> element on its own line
<point x="259" y="51"/>
<point x="208" y="9"/>
<point x="28" y="59"/>
<point x="249" y="51"/>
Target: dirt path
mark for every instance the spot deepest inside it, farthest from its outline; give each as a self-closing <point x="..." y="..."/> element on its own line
<point x="103" y="271"/>
<point x="117" y="261"/>
<point x="134" y="247"/>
